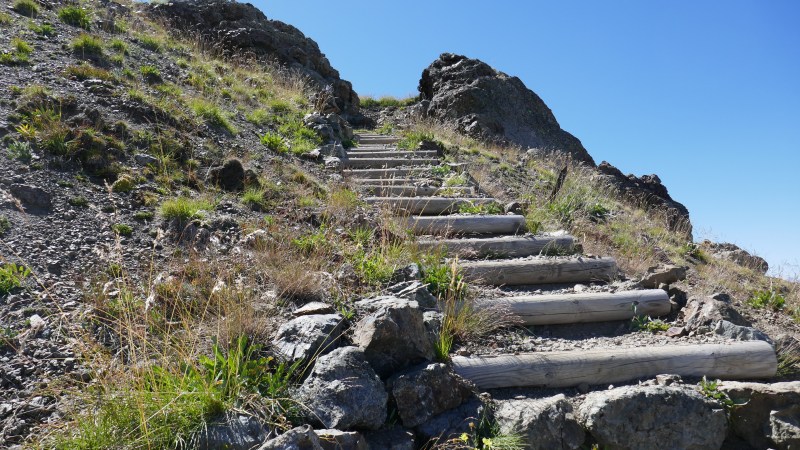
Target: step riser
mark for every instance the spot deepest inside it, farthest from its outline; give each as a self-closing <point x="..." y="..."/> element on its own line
<point x="412" y="191"/>
<point x="539" y="271"/>
<point x="450" y="225"/>
<point x="379" y="163"/>
<point x="740" y="360"/>
<point x="385" y="173"/>
<point x="499" y="247"/>
<point x="584" y="308"/>
<point x="391" y="154"/>
<point x="425" y="206"/>
<point x="384" y="181"/>
<point x="373" y="141"/>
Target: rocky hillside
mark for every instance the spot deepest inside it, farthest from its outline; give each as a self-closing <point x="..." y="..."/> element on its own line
<point x="197" y="250"/>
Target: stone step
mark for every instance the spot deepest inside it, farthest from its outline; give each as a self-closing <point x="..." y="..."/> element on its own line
<point x="385" y="181"/>
<point x="544" y="270"/>
<point x="413" y="191"/>
<point x="499" y="247"/>
<point x="378" y="163"/>
<point x="466" y="224"/>
<point x="372" y="153"/>
<point x="427" y="206"/>
<point x="390" y="173"/>
<point x="729" y="361"/>
<point x="377" y="139"/>
<point x="554" y="309"/>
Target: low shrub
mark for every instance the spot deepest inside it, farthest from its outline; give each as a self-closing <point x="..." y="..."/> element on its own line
<point x="27" y="8"/>
<point x="75" y="16"/>
<point x="184" y="208"/>
<point x="87" y="45"/>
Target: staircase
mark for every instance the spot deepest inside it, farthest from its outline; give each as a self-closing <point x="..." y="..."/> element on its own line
<point x="494" y="251"/>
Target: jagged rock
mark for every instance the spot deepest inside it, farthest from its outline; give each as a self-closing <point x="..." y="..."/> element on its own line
<point x="308" y="336"/>
<point x="706" y="312"/>
<point x="649" y="190"/>
<point x="341" y="440"/>
<point x="332" y="163"/>
<point x="241" y="28"/>
<point x="234" y="432"/>
<point x="257" y="239"/>
<point x="664" y="417"/>
<point x="332" y="128"/>
<point x="146" y="160"/>
<point x="423" y="392"/>
<point x="395" y="438"/>
<point x="343" y="392"/>
<point x="738" y="332"/>
<point x="300" y="438"/>
<point x="452" y="423"/>
<point x="543" y="423"/>
<point x="310" y="309"/>
<point x="736" y="254"/>
<point x="230" y="176"/>
<point x="32" y="197"/>
<point x="657" y="276"/>
<point x="488" y="104"/>
<point x="392" y="334"/>
<point x="410" y="272"/>
<point x="763" y="414"/>
<point x="415" y="291"/>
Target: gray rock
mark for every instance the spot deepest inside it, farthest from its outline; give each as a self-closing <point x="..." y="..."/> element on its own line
<point x="332" y="163"/>
<point x="543" y="423"/>
<point x="393" y="334"/>
<point x="233" y="432"/>
<point x="410" y="272"/>
<point x="761" y="409"/>
<point x="424" y="392"/>
<point x="706" y="312"/>
<point x="452" y="423"/>
<point x="415" y="291"/>
<point x="308" y="336"/>
<point x="487" y="104"/>
<point x="146" y="160"/>
<point x="300" y="438"/>
<point x="32" y="197"/>
<point x="341" y="440"/>
<point x="313" y="308"/>
<point x="663" y="417"/>
<point x="395" y="438"/>
<point x="230" y="176"/>
<point x="785" y="427"/>
<point x="738" y="332"/>
<point x="343" y="392"/>
<point x="513" y="208"/>
<point x="663" y="275"/>
<point x="732" y="252"/>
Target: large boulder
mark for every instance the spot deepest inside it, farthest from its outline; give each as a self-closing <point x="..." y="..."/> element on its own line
<point x="308" y="336"/>
<point x="653" y="417"/>
<point x="424" y="392"/>
<point x="487" y="104"/>
<point x="452" y="423"/>
<point x="708" y="311"/>
<point x="343" y="392"/>
<point x="392" y="334"/>
<point x="241" y="28"/>
<point x="543" y="423"/>
<point x="765" y="415"/>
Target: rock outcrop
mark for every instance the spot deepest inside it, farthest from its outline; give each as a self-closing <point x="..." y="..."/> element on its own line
<point x="734" y="253"/>
<point x="487" y="104"/>
<point x="241" y="28"/>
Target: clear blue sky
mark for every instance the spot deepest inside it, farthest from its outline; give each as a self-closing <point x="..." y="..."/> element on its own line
<point x="706" y="94"/>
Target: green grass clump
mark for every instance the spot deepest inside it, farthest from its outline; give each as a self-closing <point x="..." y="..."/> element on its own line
<point x="21" y="151"/>
<point x="20" y="53"/>
<point x="87" y="45"/>
<point x="259" y="117"/>
<point x="184" y="208"/>
<point x="119" y="46"/>
<point x="75" y="16"/>
<point x="480" y="208"/>
<point x="45" y="29"/>
<point x="412" y="139"/>
<point x="767" y="299"/>
<point x="27" y="8"/>
<point x="274" y="142"/>
<point x="302" y="138"/>
<point x="122" y="229"/>
<point x="150" y="74"/>
<point x="5" y="225"/>
<point x="143" y="215"/>
<point x="88" y="72"/>
<point x="212" y="115"/>
<point x="151" y="43"/>
<point x="12" y="276"/>
<point x="5" y="19"/>
<point x="386" y="101"/>
<point x="253" y="197"/>
<point x="78" y="201"/>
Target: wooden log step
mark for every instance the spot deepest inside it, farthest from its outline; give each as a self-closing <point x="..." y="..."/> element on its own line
<point x="427" y="206"/>
<point x="414" y="191"/>
<point x="377" y="140"/>
<point x="584" y="307"/>
<point x="515" y="272"/>
<point x="466" y="224"/>
<point x="377" y="163"/>
<point x="372" y="153"/>
<point x="385" y="181"/>
<point x="738" y="360"/>
<point x="499" y="247"/>
<point x="396" y="172"/>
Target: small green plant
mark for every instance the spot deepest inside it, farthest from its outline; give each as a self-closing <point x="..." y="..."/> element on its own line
<point x="253" y="197"/>
<point x="87" y="46"/>
<point x="19" y="150"/>
<point x="143" y="215"/>
<point x="646" y="323"/>
<point x="5" y="225"/>
<point x="27" y="8"/>
<point x="124" y="183"/>
<point x="457" y="180"/>
<point x="5" y="19"/>
<point x="150" y="74"/>
<point x="79" y="201"/>
<point x="598" y="212"/>
<point x="274" y="142"/>
<point x="385" y="129"/>
<point x="122" y="229"/>
<point x="302" y="138"/>
<point x="151" y="43"/>
<point x="386" y="101"/>
<point x="119" y="46"/>
<point x="480" y="208"/>
<point x="711" y="390"/>
<point x="412" y="139"/>
<point x="88" y="72"/>
<point x="310" y="243"/>
<point x="20" y="53"/>
<point x="212" y="115"/>
<point x="767" y="299"/>
<point x="441" y="170"/>
<point x="184" y="208"/>
<point x="12" y="276"/>
<point x="75" y="16"/>
<point x="45" y="29"/>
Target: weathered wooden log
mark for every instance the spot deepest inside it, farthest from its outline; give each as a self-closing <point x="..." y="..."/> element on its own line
<point x="361" y="163"/>
<point x="413" y="191"/>
<point x="586" y="307"/>
<point x="366" y="140"/>
<point x="427" y="206"/>
<point x="384" y="181"/>
<point x="388" y="153"/>
<point x="466" y="224"/>
<point x="499" y="247"/>
<point x="751" y="359"/>
<point x="385" y="173"/>
<point x="513" y="272"/>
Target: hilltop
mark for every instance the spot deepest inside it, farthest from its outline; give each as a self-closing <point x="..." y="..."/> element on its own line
<point x="189" y="256"/>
